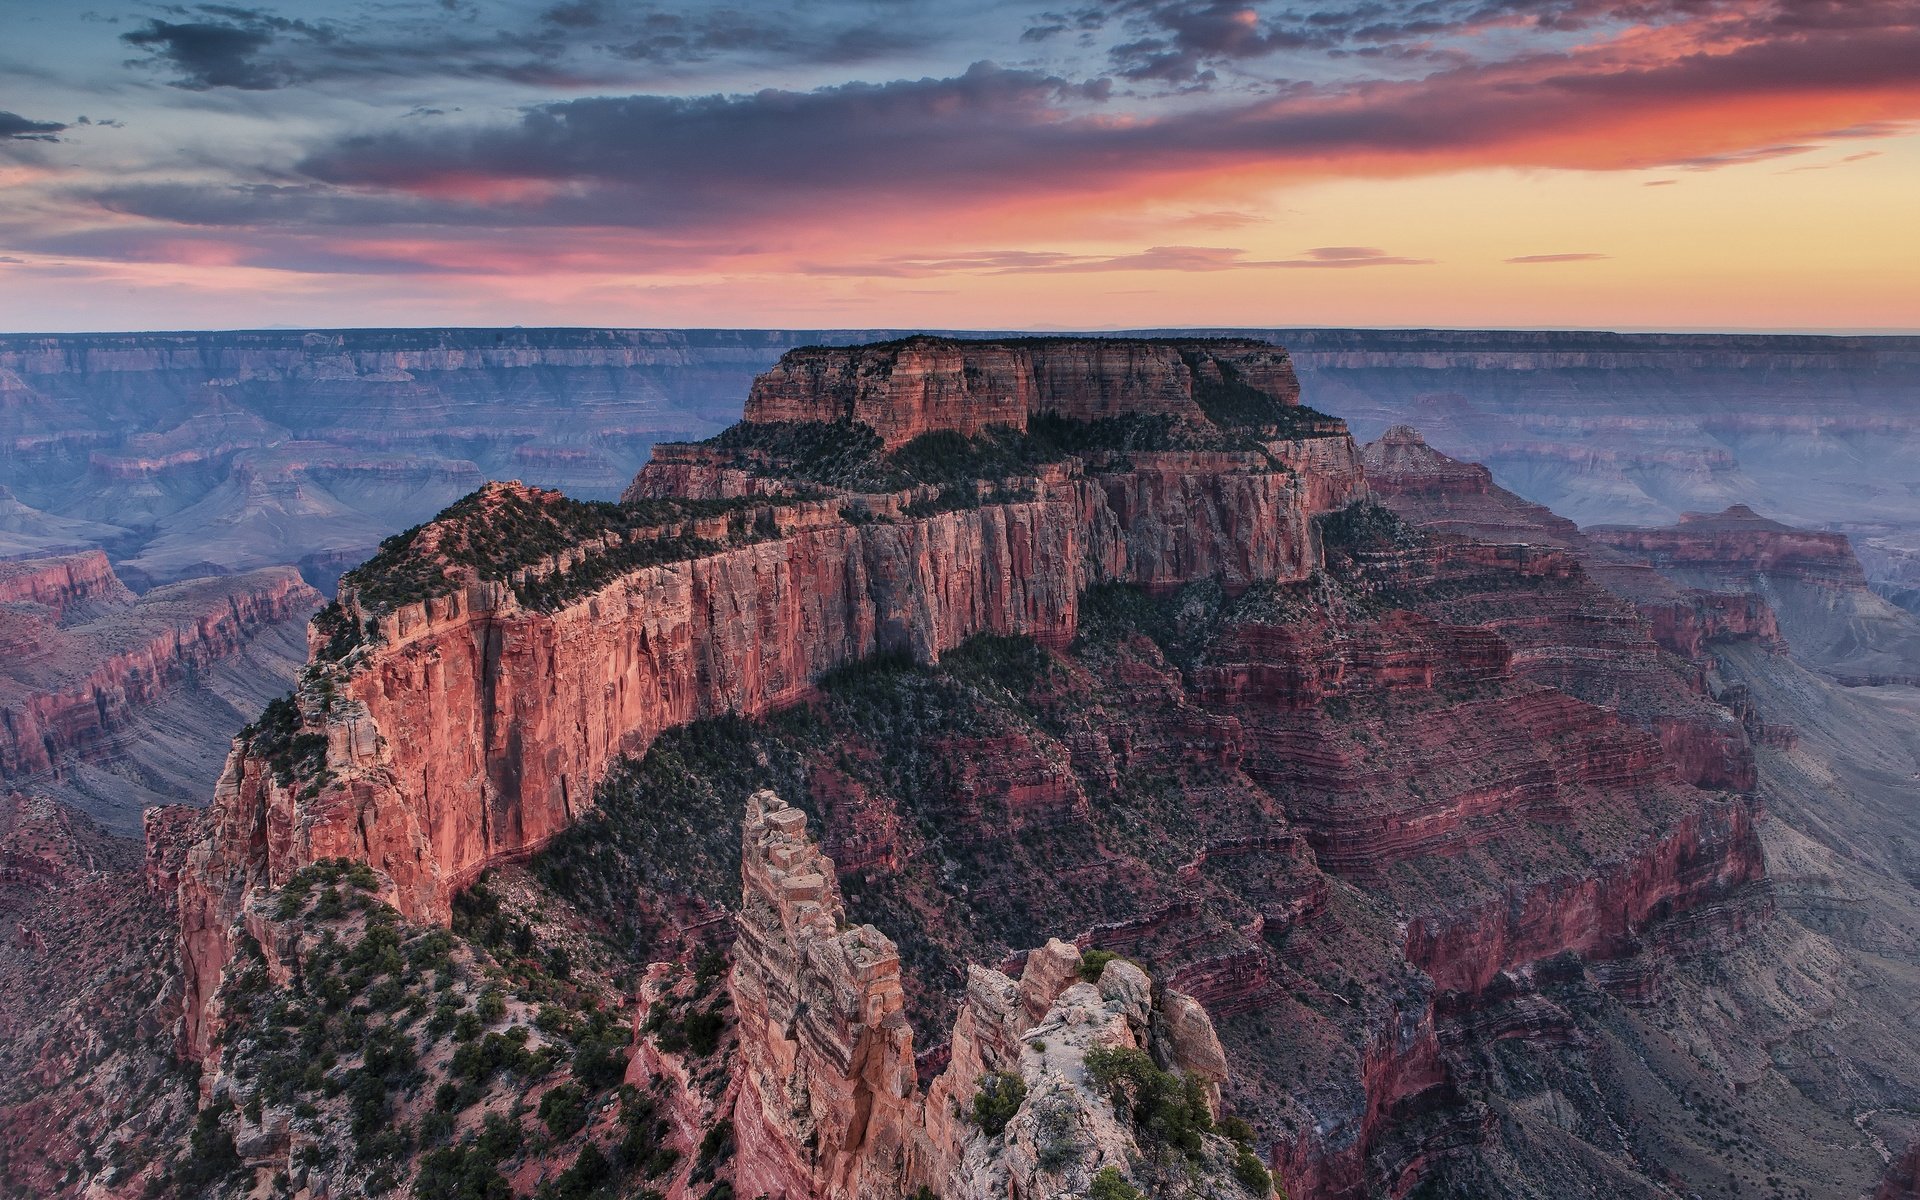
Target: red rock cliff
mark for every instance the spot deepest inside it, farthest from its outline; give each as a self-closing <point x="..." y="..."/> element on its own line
<point x="1743" y="538"/>
<point x="904" y="389"/>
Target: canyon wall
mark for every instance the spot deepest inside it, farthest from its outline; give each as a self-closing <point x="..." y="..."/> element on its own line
<point x="918" y="385"/>
<point x="1813" y="587"/>
<point x="84" y="663"/>
<point x="129" y="440"/>
<point x="1388" y="770"/>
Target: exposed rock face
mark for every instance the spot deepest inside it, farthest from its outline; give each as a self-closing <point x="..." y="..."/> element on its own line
<point x="1742" y="539"/>
<point x="84" y="659"/>
<point x="1326" y="756"/>
<point x="57" y="583"/>
<point x="88" y="1007"/>
<point x="828" y="1098"/>
<point x="827" y="1104"/>
<point x="1810" y="580"/>
<point x="920" y="385"/>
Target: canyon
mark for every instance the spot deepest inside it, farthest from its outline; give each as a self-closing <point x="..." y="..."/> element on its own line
<point x="1442" y="846"/>
<point x="176" y="452"/>
<point x="111" y="701"/>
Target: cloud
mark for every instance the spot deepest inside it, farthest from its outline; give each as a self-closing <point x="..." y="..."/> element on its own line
<point x="1851" y="158"/>
<point x="1557" y="258"/>
<point x="650" y="161"/>
<point x="657" y="161"/>
<point x="571" y="44"/>
<point x="221" y="54"/>
<point x="16" y="128"/>
<point x="1687" y="85"/>
<point x="1154" y="258"/>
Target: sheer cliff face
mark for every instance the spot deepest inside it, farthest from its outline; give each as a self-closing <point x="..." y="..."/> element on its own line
<point x="495" y="719"/>
<point x="905" y="389"/>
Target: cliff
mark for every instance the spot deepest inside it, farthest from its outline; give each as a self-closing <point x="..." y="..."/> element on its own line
<point x="828" y="1104"/>
<point x="904" y="389"/>
<point x="84" y="658"/>
<point x="473" y="701"/>
<point x="1442" y="493"/>
<point x="1810" y="579"/>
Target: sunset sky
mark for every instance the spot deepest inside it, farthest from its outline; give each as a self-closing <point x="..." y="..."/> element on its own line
<point x="1683" y="164"/>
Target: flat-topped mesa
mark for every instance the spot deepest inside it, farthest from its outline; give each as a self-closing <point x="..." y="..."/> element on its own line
<point x="1739" y="538"/>
<point x="925" y="384"/>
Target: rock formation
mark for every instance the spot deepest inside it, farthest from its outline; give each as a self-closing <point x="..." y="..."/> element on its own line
<point x="904" y="389"/>
<point x="85" y="660"/>
<point x="467" y="726"/>
<point x="828" y="1106"/>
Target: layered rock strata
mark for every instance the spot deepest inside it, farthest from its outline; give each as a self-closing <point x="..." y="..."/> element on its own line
<point x="904" y="389"/>
<point x="82" y="656"/>
<point x="1340" y="780"/>
<point x="1812" y="587"/>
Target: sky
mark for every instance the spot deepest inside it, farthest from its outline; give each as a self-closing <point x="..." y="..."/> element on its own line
<point x="961" y="164"/>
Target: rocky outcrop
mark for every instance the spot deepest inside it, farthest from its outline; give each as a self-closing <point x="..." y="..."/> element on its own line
<point x="58" y="583"/>
<point x="827" y="1105"/>
<point x="904" y="389"/>
<point x="1816" y="597"/>
<point x="1740" y="539"/>
<point x="828" y="1096"/>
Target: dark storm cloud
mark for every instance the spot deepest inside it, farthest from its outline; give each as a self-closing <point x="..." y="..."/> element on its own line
<point x="16" y="128"/>
<point x="229" y="53"/>
<point x="576" y="43"/>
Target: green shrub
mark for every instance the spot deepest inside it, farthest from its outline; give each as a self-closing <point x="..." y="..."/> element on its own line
<point x="1237" y="1129"/>
<point x="1166" y="1109"/>
<point x="563" y="1110"/>
<point x="1109" y="1184"/>
<point x="718" y="1141"/>
<point x="590" y="1175"/>
<point x="1000" y="1096"/>
<point x="1094" y="962"/>
<point x="702" y="1031"/>
<point x="1252" y="1173"/>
